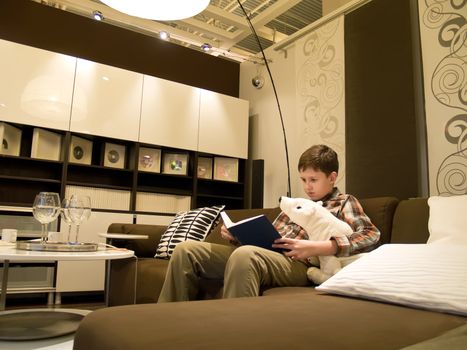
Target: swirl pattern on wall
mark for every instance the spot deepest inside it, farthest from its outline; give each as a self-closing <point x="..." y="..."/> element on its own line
<point x="449" y="87"/>
<point x="321" y="82"/>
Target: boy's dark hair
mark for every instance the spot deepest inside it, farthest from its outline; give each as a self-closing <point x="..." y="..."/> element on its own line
<point x="319" y="157"/>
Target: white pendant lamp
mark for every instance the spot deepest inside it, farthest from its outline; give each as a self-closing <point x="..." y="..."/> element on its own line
<point x="162" y="10"/>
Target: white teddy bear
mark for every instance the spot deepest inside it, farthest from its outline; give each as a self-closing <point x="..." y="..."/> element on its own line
<point x="320" y="225"/>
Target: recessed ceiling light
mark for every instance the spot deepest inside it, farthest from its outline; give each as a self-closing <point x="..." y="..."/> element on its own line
<point x="164" y="35"/>
<point x="97" y="15"/>
<point x="206" y="47"/>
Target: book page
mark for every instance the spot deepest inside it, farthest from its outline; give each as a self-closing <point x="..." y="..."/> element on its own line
<point x="228" y="223"/>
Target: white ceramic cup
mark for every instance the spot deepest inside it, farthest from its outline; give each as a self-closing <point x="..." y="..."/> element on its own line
<point x="9" y="235"/>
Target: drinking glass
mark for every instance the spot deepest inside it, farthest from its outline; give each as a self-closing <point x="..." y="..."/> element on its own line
<point x="65" y="214"/>
<point x="79" y="209"/>
<point x="45" y="209"/>
<point x="86" y="206"/>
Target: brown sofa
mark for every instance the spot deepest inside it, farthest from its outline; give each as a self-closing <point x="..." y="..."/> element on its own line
<point x="125" y="289"/>
<point x="287" y="317"/>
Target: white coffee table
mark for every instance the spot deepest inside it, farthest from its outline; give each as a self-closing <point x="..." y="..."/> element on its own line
<point x="27" y="324"/>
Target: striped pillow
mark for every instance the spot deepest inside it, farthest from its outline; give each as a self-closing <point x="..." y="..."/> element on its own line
<point x="193" y="225"/>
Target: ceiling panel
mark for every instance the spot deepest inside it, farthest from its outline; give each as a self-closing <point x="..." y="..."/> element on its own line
<point x="222" y="25"/>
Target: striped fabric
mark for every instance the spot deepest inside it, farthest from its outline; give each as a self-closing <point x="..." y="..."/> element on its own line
<point x="193" y="225"/>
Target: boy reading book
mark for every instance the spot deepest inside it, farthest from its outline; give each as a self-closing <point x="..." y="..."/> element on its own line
<point x="245" y="269"/>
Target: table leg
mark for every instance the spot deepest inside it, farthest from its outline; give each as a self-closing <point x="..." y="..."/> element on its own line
<point x="6" y="264"/>
<point x="107" y="281"/>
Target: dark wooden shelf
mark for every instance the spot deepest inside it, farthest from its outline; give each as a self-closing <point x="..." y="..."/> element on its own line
<point x="99" y="185"/>
<point x="86" y="167"/>
<point x="220" y="196"/>
<point x="29" y="159"/>
<point x="103" y="210"/>
<point x="163" y="175"/>
<point x="31" y="179"/>
<point x="211" y="181"/>
<point x="22" y="177"/>
<point x="163" y="190"/>
<point x="154" y="213"/>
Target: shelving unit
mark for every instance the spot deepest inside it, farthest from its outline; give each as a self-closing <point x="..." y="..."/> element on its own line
<point x="99" y="105"/>
<point x="22" y="177"/>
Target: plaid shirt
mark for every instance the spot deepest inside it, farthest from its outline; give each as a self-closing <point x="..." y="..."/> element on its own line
<point x="365" y="235"/>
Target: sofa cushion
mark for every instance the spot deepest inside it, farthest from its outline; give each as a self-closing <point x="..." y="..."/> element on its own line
<point x="143" y="248"/>
<point x="448" y="219"/>
<point x="380" y="210"/>
<point x="410" y="223"/>
<point x="136" y="280"/>
<point x="190" y="225"/>
<point x="311" y="321"/>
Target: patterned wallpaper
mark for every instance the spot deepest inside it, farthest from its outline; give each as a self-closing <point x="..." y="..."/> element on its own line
<point x="320" y="90"/>
<point x="443" y="30"/>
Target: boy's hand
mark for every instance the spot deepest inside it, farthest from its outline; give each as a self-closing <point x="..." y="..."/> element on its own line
<point x="226" y="234"/>
<point x="299" y="249"/>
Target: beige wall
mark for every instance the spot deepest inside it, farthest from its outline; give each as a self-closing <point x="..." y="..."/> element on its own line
<point x="331" y="5"/>
<point x="312" y="105"/>
<point x="445" y="80"/>
<point x="266" y="139"/>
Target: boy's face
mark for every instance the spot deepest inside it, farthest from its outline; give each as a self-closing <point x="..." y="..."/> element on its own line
<point x="317" y="184"/>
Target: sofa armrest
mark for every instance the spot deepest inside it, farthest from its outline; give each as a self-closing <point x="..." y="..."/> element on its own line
<point x="143" y="248"/>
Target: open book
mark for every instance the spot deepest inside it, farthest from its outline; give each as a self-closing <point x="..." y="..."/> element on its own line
<point x="257" y="230"/>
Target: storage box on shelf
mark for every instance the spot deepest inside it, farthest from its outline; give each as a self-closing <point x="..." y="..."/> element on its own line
<point x="22" y="176"/>
<point x="229" y="191"/>
<point x="173" y="182"/>
<point x="10" y="138"/>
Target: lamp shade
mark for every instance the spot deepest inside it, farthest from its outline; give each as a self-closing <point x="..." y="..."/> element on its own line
<point x="162" y="10"/>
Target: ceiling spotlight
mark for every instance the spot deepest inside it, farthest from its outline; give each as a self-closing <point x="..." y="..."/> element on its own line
<point x="97" y="15"/>
<point x="164" y="35"/>
<point x="206" y="47"/>
<point x="257" y="81"/>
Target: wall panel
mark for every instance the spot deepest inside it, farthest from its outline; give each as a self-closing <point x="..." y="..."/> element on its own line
<point x="381" y="134"/>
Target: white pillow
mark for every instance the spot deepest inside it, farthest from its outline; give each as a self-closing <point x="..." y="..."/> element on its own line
<point x="428" y="276"/>
<point x="448" y="219"/>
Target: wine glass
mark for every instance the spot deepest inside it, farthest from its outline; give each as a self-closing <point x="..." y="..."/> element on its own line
<point x="79" y="209"/>
<point x="45" y="209"/>
<point x="86" y="206"/>
<point x="65" y="214"/>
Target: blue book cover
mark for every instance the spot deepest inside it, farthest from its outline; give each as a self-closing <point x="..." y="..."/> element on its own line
<point x="257" y="230"/>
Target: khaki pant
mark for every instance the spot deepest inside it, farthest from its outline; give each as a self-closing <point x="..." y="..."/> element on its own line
<point x="244" y="270"/>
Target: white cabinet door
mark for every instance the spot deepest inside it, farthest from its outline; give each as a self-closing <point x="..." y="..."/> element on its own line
<point x="35" y="86"/>
<point x="223" y="125"/>
<point x="106" y="101"/>
<point x="169" y="114"/>
<point x="74" y="276"/>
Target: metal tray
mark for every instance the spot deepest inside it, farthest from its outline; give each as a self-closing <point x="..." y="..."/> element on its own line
<point x="57" y="246"/>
